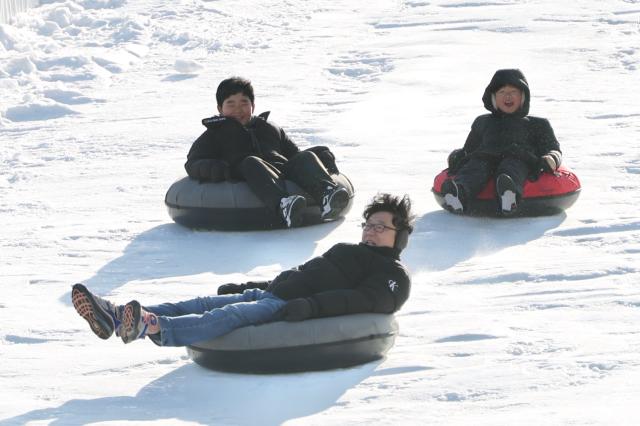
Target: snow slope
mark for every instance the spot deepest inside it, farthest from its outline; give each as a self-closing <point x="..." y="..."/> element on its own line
<point x="523" y="321"/>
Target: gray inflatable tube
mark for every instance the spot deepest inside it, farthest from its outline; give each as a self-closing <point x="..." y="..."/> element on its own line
<point x="233" y="206"/>
<point x="311" y="345"/>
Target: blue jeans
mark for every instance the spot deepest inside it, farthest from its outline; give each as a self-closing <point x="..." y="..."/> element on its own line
<point x="205" y="318"/>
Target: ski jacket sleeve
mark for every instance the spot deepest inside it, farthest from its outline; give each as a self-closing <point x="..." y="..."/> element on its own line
<point x="203" y="161"/>
<point x="546" y="141"/>
<point x="383" y="292"/>
<point x="289" y="148"/>
<point x="474" y="138"/>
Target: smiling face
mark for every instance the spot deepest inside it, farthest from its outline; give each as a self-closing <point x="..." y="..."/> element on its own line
<point x="508" y="99"/>
<point x="387" y="237"/>
<point x="237" y="106"/>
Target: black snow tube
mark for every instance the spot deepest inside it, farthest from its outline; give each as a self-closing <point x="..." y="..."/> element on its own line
<point x="551" y="193"/>
<point x="232" y="206"/>
<point x="288" y="347"/>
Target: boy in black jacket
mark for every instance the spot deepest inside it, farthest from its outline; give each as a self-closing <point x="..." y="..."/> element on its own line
<point x="240" y="146"/>
<point x="508" y="144"/>
<point x="347" y="279"/>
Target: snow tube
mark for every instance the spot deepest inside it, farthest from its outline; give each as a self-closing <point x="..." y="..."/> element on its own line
<point x="551" y="194"/>
<point x="311" y="345"/>
<point x="233" y="206"/>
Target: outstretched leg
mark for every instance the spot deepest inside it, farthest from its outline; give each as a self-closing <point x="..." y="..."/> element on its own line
<point x="252" y="307"/>
<point x="103" y="316"/>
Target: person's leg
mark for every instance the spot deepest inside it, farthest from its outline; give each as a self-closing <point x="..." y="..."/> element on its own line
<point x="307" y="171"/>
<point x="253" y="307"/>
<point x="103" y="316"/>
<point x="264" y="180"/>
<point x="467" y="183"/>
<point x="267" y="183"/>
<point x="474" y="175"/>
<point x="198" y="305"/>
<point x="516" y="169"/>
<point x="511" y="175"/>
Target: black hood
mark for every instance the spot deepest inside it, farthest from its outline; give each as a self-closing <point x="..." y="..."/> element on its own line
<point x="514" y="77"/>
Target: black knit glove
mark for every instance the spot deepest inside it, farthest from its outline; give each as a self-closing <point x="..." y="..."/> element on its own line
<point x="454" y="159"/>
<point x="230" y="289"/>
<point x="298" y="310"/>
<point x="550" y="161"/>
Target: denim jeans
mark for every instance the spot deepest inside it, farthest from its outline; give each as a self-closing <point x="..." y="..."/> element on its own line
<point x="205" y="318"/>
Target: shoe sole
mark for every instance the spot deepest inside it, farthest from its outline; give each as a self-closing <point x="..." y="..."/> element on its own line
<point x="100" y="322"/>
<point x="336" y="205"/>
<point x="506" y="190"/>
<point x="130" y="321"/>
<point x="451" y="200"/>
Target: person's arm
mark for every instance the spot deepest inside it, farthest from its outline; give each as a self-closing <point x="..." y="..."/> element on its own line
<point x="548" y="146"/>
<point x="202" y="162"/>
<point x="240" y="288"/>
<point x="289" y="148"/>
<point x="378" y="293"/>
<point x="456" y="158"/>
<point x="474" y="138"/>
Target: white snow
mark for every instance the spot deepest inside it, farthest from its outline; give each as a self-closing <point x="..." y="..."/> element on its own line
<point x="521" y="321"/>
<point x="10" y="8"/>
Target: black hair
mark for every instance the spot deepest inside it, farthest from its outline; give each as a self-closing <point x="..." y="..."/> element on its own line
<point x="233" y="85"/>
<point x="400" y="208"/>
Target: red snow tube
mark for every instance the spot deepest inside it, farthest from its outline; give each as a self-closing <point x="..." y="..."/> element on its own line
<point x="551" y="194"/>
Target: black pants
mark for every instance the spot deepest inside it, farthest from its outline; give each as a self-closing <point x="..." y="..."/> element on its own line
<point x="304" y="169"/>
<point x="474" y="174"/>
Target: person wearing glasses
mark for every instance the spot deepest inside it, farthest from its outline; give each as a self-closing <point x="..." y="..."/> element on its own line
<point x="349" y="278"/>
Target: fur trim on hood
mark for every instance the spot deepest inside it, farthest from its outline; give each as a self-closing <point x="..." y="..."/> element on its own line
<point x="501" y="78"/>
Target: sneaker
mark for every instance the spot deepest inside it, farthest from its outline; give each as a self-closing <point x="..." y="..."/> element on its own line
<point x="507" y="194"/>
<point x="333" y="202"/>
<point x="103" y="316"/>
<point x="133" y="325"/>
<point x="291" y="209"/>
<point x="453" y="196"/>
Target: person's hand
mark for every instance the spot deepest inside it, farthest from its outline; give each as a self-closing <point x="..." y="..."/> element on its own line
<point x="548" y="163"/>
<point x="298" y="310"/>
<point x="230" y="289"/>
<point x="455" y="157"/>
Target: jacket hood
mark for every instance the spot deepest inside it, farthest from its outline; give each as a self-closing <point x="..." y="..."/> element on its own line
<point x="514" y="77"/>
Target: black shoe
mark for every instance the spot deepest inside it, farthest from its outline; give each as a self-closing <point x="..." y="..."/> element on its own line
<point x="133" y="326"/>
<point x="333" y="202"/>
<point x="103" y="316"/>
<point x="507" y="195"/>
<point x="453" y="196"/>
<point x="292" y="209"/>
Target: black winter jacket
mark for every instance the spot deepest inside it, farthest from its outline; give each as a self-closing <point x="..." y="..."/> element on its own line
<point x="498" y="135"/>
<point x="347" y="279"/>
<point x="216" y="155"/>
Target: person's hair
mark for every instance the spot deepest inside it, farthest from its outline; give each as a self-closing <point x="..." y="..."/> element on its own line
<point x="399" y="207"/>
<point x="233" y="85"/>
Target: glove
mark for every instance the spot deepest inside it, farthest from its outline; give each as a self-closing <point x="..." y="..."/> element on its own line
<point x="326" y="157"/>
<point x="455" y="158"/>
<point x="547" y="163"/>
<point x="298" y="310"/>
<point x="230" y="289"/>
<point x="550" y="162"/>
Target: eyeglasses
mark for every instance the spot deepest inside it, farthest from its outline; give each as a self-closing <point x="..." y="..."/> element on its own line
<point x="378" y="228"/>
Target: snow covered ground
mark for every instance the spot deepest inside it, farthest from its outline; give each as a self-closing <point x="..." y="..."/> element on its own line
<point x="523" y="321"/>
